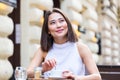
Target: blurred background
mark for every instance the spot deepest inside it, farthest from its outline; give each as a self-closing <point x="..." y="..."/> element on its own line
<point x="96" y="23"/>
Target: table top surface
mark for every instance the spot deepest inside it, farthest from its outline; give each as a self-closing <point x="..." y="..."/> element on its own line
<point x="48" y="79"/>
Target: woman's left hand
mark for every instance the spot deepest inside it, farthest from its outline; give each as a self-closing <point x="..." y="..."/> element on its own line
<point x="68" y="75"/>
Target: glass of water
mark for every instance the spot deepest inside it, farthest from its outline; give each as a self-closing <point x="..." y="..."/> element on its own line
<point x="20" y="73"/>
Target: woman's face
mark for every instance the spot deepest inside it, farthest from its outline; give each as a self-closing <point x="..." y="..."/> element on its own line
<point x="57" y="26"/>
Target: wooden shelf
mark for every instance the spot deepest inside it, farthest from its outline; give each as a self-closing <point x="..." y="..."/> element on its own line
<point x="109" y="72"/>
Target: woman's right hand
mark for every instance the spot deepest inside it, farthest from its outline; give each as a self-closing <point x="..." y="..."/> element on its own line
<point x="48" y="65"/>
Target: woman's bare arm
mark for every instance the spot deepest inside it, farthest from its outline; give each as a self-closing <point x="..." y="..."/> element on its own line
<point x="89" y="62"/>
<point x="36" y="61"/>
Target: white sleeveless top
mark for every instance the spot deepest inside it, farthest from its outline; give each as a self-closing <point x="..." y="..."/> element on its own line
<point x="67" y="57"/>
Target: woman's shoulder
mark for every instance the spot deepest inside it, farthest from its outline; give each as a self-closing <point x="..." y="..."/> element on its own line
<point x="41" y="52"/>
<point x="83" y="49"/>
<point x="81" y="45"/>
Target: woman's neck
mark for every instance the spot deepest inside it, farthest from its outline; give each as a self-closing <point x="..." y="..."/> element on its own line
<point x="60" y="41"/>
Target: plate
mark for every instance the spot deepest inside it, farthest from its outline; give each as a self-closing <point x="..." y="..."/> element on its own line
<point x="56" y="78"/>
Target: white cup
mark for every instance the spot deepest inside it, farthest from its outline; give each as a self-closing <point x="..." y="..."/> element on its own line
<point x="56" y="73"/>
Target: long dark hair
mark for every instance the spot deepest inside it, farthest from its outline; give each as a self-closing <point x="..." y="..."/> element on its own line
<point x="46" y="39"/>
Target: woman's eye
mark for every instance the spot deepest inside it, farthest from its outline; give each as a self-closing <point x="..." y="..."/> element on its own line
<point x="52" y="23"/>
<point x="62" y="20"/>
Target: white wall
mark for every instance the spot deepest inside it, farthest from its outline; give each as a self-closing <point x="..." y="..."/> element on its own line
<point x="6" y="45"/>
<point x="31" y="21"/>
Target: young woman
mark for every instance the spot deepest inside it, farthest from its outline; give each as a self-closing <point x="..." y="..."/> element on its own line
<point x="61" y="50"/>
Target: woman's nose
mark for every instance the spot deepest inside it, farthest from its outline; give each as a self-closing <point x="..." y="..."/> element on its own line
<point x="58" y="24"/>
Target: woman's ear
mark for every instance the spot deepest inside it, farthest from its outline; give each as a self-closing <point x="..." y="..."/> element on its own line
<point x="48" y="32"/>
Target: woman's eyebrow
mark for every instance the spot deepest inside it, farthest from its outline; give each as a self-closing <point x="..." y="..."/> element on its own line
<point x="55" y="20"/>
<point x="51" y="20"/>
<point x="61" y="18"/>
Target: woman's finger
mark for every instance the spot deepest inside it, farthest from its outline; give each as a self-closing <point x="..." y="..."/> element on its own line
<point x="51" y="62"/>
<point x="68" y="74"/>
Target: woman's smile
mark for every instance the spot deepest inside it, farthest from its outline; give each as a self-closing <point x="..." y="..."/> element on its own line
<point x="59" y="30"/>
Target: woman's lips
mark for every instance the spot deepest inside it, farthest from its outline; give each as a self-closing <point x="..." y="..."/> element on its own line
<point x="60" y="30"/>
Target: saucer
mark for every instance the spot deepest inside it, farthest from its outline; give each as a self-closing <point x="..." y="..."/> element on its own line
<point x="56" y="78"/>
